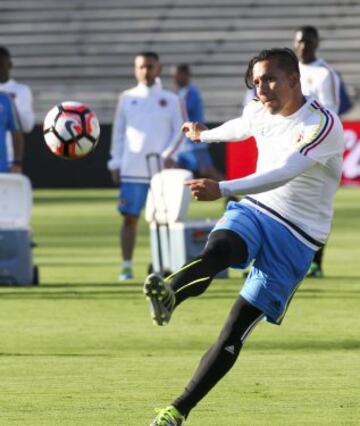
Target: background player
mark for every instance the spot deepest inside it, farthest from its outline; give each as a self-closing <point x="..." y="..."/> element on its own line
<point x="21" y="95"/>
<point x="9" y="123"/>
<point x="320" y="80"/>
<point x="194" y="157"/>
<point x="148" y="119"/>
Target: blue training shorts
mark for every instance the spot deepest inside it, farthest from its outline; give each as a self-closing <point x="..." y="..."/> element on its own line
<point x="132" y="197"/>
<point x="281" y="260"/>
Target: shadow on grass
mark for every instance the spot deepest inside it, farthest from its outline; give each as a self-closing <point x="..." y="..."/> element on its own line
<point x="134" y="289"/>
<point x="72" y="291"/>
<point x="89" y="355"/>
<point x="111" y="295"/>
<point x="267" y="347"/>
<point x="117" y="286"/>
<point x="74" y="199"/>
<point x="307" y="345"/>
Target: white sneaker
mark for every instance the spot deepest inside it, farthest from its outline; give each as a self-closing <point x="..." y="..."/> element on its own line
<point x="126" y="274"/>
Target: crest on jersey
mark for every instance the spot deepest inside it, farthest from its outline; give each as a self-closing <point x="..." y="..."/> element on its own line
<point x="163" y="102"/>
<point x="299" y="137"/>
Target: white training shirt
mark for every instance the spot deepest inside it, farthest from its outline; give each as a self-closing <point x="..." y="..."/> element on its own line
<point x="298" y="169"/>
<point x="320" y="80"/>
<point x="147" y="120"/>
<point x="22" y="96"/>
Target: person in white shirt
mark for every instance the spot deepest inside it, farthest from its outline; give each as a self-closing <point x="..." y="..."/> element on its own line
<point x="22" y="96"/>
<point x="321" y="81"/>
<point x="148" y="120"/>
<point x="318" y="78"/>
<point x="283" y="219"/>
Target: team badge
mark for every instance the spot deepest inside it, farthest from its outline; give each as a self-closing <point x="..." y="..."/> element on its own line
<point x="299" y="137"/>
<point x="163" y="102"/>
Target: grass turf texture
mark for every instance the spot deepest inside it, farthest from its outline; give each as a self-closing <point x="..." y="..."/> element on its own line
<point x="80" y="349"/>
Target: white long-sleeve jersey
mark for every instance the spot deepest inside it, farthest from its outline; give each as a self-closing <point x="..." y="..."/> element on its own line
<point x="23" y="99"/>
<point x="147" y="120"/>
<point x="299" y="166"/>
<point x="320" y="80"/>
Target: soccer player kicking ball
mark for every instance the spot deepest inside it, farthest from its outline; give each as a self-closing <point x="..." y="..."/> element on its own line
<point x="283" y="219"/>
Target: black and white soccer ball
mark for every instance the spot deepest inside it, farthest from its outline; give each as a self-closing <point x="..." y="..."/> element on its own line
<point x="71" y="130"/>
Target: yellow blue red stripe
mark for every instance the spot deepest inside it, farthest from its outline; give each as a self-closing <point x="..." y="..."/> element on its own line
<point x="328" y="120"/>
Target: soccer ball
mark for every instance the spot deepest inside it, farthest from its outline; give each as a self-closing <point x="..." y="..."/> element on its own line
<point x="71" y="130"/>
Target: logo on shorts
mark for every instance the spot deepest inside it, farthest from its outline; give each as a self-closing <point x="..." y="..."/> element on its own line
<point x="122" y="203"/>
<point x="221" y="221"/>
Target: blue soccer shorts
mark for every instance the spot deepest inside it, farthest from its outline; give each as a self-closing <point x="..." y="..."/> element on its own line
<point x="132" y="197"/>
<point x="280" y="259"/>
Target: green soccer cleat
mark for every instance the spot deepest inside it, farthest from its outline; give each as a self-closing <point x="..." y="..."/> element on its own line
<point x="169" y="416"/>
<point x="315" y="271"/>
<point x="161" y="298"/>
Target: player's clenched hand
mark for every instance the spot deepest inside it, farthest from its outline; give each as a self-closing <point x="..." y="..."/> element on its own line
<point x="192" y="130"/>
<point x="16" y="168"/>
<point x="115" y="176"/>
<point x="169" y="163"/>
<point x="204" y="189"/>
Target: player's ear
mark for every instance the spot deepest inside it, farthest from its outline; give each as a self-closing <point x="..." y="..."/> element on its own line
<point x="294" y="79"/>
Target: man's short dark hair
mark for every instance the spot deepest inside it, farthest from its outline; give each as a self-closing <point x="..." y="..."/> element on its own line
<point x="148" y="54"/>
<point x="185" y="68"/>
<point x="308" y="29"/>
<point x="4" y="52"/>
<point x="286" y="58"/>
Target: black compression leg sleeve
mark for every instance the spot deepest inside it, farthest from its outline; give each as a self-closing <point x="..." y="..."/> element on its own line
<point x="222" y="355"/>
<point x="318" y="257"/>
<point x="223" y="249"/>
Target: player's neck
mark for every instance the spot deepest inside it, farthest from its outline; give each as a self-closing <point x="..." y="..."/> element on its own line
<point x="294" y="106"/>
<point x="308" y="61"/>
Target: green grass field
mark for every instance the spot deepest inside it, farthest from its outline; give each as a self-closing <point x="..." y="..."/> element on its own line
<point x="80" y="349"/>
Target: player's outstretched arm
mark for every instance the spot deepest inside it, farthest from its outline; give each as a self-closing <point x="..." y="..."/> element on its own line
<point x="204" y="189"/>
<point x="289" y="168"/>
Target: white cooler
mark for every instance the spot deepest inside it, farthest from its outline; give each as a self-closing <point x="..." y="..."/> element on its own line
<point x="180" y="242"/>
<point x="172" y="238"/>
<point x="16" y="264"/>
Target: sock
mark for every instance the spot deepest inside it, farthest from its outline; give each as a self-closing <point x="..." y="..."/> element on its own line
<point x="127" y="264"/>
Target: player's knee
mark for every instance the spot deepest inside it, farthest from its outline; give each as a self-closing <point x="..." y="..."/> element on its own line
<point x="226" y="246"/>
<point x="218" y="245"/>
<point x="130" y="220"/>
